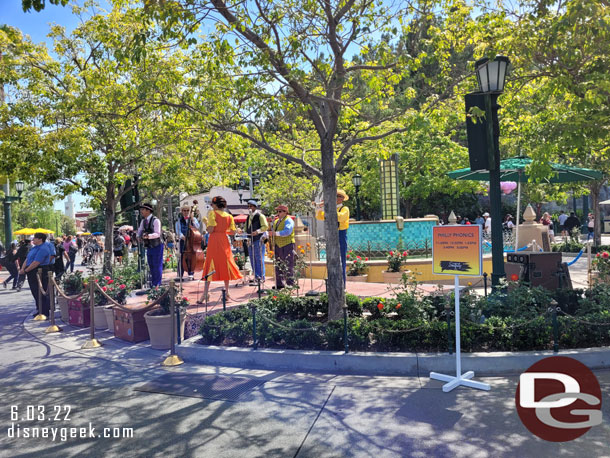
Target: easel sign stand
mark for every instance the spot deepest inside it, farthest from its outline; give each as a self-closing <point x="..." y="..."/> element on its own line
<point x="450" y="243"/>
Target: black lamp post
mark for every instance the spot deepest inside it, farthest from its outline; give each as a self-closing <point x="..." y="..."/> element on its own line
<point x="8" y="200"/>
<point x="484" y="148"/>
<point x="357" y="181"/>
<point x="240" y="193"/>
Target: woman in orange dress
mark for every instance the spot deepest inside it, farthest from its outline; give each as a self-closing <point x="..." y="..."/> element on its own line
<point x="219" y="257"/>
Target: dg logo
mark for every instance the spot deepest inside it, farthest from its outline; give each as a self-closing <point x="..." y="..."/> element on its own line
<point x="559" y="399"/>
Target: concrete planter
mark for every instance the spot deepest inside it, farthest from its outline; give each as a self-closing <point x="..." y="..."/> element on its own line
<point x="357" y="277"/>
<point x="159" y="329"/>
<point x="392" y="277"/>
<point x="109" y="313"/>
<point x="64" y="309"/>
<point x="100" y="317"/>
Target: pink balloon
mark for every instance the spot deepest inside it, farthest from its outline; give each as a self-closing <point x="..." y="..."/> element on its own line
<point x="508" y="186"/>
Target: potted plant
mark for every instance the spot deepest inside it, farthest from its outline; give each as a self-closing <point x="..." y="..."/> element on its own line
<point x="240" y="260"/>
<point x="159" y="320"/>
<point x="356" y="267"/>
<point x="118" y="291"/>
<point x="72" y="284"/>
<point x="396" y="260"/>
<point x="600" y="272"/>
<point x="107" y="285"/>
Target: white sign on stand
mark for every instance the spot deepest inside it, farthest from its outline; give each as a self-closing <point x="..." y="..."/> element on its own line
<point x="456" y="250"/>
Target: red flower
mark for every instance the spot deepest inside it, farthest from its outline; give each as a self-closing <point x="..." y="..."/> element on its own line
<point x="597" y="255"/>
<point x="97" y="281"/>
<point x="405" y="253"/>
<point x="358" y="257"/>
<point x="274" y="297"/>
<point x="106" y="278"/>
<point x="110" y="282"/>
<point x="348" y="256"/>
<point x="185" y="298"/>
<point x="605" y="255"/>
<point x="121" y="286"/>
<point x="366" y="259"/>
<point x="380" y="306"/>
<point x="514" y="277"/>
<point x="398" y="306"/>
<point x="391" y="253"/>
<point x="104" y="288"/>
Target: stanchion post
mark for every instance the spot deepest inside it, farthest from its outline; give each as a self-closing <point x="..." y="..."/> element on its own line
<point x="345" y="336"/>
<point x="448" y="313"/>
<point x="51" y="293"/>
<point x="485" y="282"/>
<point x="259" y="292"/>
<point x="554" y="310"/>
<point x="93" y="342"/>
<point x="172" y="359"/>
<point x="40" y="316"/>
<point x="224" y="300"/>
<point x="254" y="341"/>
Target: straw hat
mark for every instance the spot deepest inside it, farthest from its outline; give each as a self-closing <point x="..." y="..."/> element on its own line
<point x="341" y="192"/>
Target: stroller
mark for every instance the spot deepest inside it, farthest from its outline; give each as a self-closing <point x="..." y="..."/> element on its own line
<point x="88" y="254"/>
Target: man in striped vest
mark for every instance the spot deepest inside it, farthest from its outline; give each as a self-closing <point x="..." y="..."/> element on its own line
<point x="283" y="239"/>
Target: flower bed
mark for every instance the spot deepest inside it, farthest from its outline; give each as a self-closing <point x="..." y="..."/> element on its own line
<point x="515" y="321"/>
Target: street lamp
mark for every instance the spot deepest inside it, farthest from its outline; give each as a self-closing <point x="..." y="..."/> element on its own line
<point x="8" y="200"/>
<point x="484" y="147"/>
<point x="240" y="193"/>
<point x="357" y="181"/>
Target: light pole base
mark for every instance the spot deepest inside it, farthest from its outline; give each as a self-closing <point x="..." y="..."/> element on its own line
<point x="172" y="360"/>
<point x="496" y="279"/>
<point x="454" y="382"/>
<point x="312" y="293"/>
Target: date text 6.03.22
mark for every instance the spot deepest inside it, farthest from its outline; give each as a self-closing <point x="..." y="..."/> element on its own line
<point x="40" y="413"/>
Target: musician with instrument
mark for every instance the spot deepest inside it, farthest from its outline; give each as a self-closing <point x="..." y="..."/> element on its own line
<point x="343" y="219"/>
<point x="186" y="226"/>
<point x="256" y="225"/>
<point x="283" y="247"/>
<point x="149" y="233"/>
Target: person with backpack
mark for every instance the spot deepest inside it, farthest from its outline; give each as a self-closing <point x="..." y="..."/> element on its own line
<point x="149" y="232"/>
<point x="118" y="246"/>
<point x="71" y="249"/>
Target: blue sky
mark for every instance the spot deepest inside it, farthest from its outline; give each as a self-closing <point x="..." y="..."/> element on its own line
<point x="37" y="26"/>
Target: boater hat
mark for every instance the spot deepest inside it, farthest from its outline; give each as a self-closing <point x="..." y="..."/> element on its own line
<point x="281" y="208"/>
<point x="147" y="206"/>
<point x="341" y="192"/>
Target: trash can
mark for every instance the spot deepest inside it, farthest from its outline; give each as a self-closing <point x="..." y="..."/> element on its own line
<point x="606" y="227"/>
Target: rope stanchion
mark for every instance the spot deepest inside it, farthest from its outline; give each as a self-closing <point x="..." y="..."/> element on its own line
<point x="577" y="257"/>
<point x="63" y="294"/>
<point x="40" y="316"/>
<point x="51" y="291"/>
<point x="93" y="342"/>
<point x="173" y="359"/>
<point x="578" y="320"/>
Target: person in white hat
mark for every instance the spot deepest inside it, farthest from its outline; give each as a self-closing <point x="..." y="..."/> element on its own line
<point x="487" y="224"/>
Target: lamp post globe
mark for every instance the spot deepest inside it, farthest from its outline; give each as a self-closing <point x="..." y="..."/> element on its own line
<point x="357" y="182"/>
<point x="491" y="74"/>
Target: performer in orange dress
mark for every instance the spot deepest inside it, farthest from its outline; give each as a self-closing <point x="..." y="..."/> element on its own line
<point x="219" y="257"/>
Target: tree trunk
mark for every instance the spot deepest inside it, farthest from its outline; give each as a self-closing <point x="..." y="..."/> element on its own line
<point x="336" y="288"/>
<point x="110" y="211"/>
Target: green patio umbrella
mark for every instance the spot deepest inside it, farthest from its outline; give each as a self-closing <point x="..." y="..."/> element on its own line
<point x="513" y="169"/>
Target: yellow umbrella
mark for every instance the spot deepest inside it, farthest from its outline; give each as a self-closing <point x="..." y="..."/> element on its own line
<point x="26" y="231"/>
<point x="43" y="230"/>
<point x="86" y="233"/>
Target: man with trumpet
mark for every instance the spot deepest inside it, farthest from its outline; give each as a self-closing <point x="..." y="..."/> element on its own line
<point x="343" y="219"/>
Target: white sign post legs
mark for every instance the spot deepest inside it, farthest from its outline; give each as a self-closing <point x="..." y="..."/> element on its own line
<point x="459" y="379"/>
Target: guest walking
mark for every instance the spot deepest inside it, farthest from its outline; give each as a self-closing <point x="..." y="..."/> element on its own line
<point x="11" y="265"/>
<point x="219" y="256"/>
